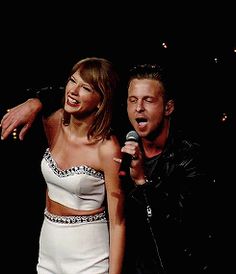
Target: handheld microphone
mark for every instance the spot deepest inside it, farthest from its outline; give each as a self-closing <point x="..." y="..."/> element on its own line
<point x="127" y="158"/>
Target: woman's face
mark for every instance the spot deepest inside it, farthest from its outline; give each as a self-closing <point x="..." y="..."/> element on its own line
<point x="80" y="97"/>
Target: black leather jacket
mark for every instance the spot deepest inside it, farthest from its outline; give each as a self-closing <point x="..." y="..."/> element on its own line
<point x="169" y="219"/>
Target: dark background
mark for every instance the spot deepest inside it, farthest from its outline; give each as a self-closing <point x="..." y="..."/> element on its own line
<point x="39" y="45"/>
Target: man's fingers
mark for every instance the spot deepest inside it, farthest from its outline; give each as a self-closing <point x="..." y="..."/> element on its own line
<point x="23" y="131"/>
<point x="118" y="160"/>
<point x="4" y="118"/>
<point x="7" y="130"/>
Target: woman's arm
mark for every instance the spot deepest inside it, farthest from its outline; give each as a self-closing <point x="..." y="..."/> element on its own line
<point x="115" y="199"/>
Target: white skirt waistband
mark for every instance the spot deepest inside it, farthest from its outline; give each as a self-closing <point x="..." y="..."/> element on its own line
<point x="76" y="219"/>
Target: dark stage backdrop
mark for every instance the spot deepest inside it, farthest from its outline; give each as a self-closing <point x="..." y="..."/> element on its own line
<point x="39" y="50"/>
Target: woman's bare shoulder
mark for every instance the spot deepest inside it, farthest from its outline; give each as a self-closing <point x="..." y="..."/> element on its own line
<point x="110" y="147"/>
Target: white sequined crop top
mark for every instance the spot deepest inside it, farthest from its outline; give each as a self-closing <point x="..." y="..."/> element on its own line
<point x="81" y="187"/>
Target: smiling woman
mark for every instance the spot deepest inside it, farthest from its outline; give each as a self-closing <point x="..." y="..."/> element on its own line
<point x="84" y="190"/>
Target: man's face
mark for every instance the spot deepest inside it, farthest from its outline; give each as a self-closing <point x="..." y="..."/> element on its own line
<point x="145" y="105"/>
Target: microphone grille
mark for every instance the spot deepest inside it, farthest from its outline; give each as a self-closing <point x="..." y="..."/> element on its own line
<point x="132" y="136"/>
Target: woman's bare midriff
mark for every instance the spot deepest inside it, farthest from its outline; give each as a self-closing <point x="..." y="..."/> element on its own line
<point x="58" y="209"/>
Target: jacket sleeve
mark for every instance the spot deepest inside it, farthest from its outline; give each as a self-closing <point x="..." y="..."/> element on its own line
<point x="51" y="97"/>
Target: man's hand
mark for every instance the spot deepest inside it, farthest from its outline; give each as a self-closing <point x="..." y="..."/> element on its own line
<point x="22" y="116"/>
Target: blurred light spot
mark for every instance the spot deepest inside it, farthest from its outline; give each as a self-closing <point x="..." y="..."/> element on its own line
<point x="224" y="117"/>
<point x="164" y="45"/>
<point x="216" y="60"/>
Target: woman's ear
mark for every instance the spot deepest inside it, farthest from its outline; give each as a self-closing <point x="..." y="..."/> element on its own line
<point x="169" y="107"/>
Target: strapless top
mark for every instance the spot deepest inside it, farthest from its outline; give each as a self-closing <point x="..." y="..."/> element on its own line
<point x="79" y="187"/>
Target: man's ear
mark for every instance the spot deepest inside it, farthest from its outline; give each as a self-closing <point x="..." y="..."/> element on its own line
<point x="169" y="107"/>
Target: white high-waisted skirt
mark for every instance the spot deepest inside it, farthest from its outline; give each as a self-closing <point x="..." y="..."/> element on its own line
<point x="74" y="248"/>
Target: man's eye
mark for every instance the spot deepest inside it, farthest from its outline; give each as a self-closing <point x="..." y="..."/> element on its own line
<point x="132" y="100"/>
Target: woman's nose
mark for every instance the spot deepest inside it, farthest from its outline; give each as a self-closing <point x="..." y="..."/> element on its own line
<point x="75" y="90"/>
